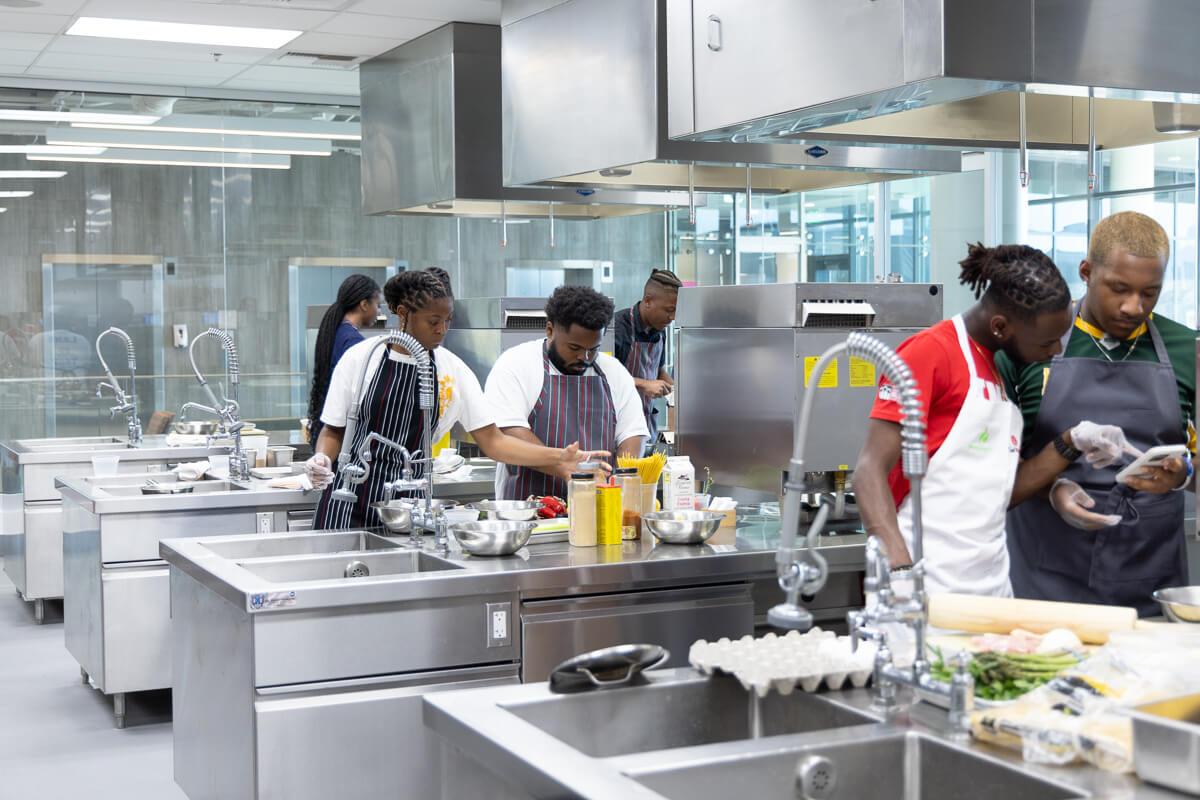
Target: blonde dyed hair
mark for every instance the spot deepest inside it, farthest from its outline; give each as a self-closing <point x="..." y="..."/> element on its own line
<point x="1136" y="234"/>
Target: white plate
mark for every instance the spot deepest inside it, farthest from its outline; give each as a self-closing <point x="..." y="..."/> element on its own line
<point x="442" y="466"/>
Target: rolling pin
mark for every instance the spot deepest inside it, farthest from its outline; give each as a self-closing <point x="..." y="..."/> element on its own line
<point x="975" y="614"/>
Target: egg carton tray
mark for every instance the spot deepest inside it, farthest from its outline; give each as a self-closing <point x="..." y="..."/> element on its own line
<point x="782" y="663"/>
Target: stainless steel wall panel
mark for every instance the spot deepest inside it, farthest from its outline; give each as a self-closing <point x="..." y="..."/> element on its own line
<point x="777" y="305"/>
<point x="595" y="102"/>
<point x="980" y="39"/>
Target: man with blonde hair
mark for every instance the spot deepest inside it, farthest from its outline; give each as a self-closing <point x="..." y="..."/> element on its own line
<point x="1090" y="539"/>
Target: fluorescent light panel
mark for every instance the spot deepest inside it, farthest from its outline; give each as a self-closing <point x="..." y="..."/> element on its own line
<point x="242" y="126"/>
<point x="2" y="210"/>
<point x="30" y="173"/>
<point x="176" y="158"/>
<point x="77" y="116"/>
<point x="16" y="194"/>
<point x="149" y="139"/>
<point x="47" y="149"/>
<point x="182" y="32"/>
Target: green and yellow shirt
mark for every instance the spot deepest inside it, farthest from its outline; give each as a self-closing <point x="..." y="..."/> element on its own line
<point x="1026" y="385"/>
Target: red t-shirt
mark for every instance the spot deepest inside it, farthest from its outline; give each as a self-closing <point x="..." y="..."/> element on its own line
<point x="936" y="361"/>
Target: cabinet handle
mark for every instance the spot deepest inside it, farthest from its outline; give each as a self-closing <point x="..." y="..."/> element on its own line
<point x="714" y="32"/>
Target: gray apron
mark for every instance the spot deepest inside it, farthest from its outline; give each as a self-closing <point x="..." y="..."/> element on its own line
<point x="1123" y="564"/>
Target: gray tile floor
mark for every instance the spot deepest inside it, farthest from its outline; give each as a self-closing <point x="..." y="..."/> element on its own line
<point x="57" y="740"/>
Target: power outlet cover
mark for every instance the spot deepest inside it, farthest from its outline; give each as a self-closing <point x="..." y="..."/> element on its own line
<point x="499" y="624"/>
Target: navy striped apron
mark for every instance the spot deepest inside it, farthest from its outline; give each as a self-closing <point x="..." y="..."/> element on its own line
<point x="390" y="408"/>
<point x="571" y="408"/>
<point x="642" y="362"/>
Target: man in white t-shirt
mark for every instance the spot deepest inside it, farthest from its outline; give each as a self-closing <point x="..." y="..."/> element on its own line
<point x="561" y="389"/>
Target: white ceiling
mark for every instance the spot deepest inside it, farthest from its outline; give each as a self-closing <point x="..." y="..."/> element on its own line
<point x="32" y="44"/>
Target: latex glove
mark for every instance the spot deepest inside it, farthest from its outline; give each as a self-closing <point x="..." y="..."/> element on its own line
<point x="319" y="470"/>
<point x="1102" y="445"/>
<point x="1072" y="503"/>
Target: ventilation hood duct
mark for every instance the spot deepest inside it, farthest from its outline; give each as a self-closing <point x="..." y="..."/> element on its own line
<point x="431" y="137"/>
<point x="586" y="104"/>
<point x="939" y="73"/>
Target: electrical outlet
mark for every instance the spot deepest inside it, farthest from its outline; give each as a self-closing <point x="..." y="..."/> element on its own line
<point x="266" y="521"/>
<point x="498" y="615"/>
<point x="180" y="335"/>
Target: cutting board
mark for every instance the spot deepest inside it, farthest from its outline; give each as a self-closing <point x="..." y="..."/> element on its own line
<point x="1091" y="623"/>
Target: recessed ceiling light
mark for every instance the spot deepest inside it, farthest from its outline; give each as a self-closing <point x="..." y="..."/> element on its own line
<point x="244" y="126"/>
<point x="151" y="139"/>
<point x="182" y="32"/>
<point x="30" y="173"/>
<point x="49" y="149"/>
<point x="2" y="210"/>
<point x="177" y="158"/>
<point x="16" y="194"/>
<point x="76" y="116"/>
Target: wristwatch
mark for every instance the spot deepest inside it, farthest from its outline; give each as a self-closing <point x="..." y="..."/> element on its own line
<point x="1065" y="450"/>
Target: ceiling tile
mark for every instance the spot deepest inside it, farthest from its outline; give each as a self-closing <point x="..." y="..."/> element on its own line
<point x="24" y="41"/>
<point x="203" y="13"/>
<point x="337" y="44"/>
<point x="54" y="7"/>
<point x="19" y="59"/>
<point x="119" y="77"/>
<point x="173" y="71"/>
<point x="24" y="22"/>
<point x="298" y="77"/>
<point x="373" y="25"/>
<point x="90" y="45"/>
<point x="486" y="11"/>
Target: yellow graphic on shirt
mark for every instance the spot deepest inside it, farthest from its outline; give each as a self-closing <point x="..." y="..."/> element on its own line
<point x="445" y="393"/>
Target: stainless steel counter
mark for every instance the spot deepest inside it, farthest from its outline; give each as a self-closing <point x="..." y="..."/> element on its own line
<point x="320" y="670"/>
<point x="28" y="469"/>
<point x="682" y="735"/>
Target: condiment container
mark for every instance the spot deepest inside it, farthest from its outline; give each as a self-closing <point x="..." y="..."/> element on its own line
<point x="581" y="509"/>
<point x="631" y="502"/>
<point x="679" y="484"/>
<point x="608" y="515"/>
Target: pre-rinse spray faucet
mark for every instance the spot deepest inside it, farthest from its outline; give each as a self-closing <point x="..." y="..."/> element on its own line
<point x="226" y="408"/>
<point x="126" y="403"/>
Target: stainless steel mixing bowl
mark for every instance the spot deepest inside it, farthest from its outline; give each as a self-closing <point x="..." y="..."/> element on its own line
<point x="509" y="510"/>
<point x="1180" y="603"/>
<point x="683" y="527"/>
<point x="493" y="537"/>
<point x="396" y="515"/>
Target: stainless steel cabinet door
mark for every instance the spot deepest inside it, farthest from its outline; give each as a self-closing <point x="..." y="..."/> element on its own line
<point x="761" y="58"/>
<point x="554" y="630"/>
<point x="43" y="550"/>
<point x="137" y="629"/>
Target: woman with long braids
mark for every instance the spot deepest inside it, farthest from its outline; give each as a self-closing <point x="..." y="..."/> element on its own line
<point x="356" y="306"/>
<point x="389" y="405"/>
<point x="973" y="429"/>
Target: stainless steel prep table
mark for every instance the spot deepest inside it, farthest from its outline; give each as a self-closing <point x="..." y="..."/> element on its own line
<point x="116" y="589"/>
<point x="320" y="671"/>
<point x="29" y="467"/>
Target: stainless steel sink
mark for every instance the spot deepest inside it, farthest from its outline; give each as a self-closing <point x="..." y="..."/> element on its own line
<point x="81" y="444"/>
<point x="131" y="489"/>
<point x="677" y="714"/>
<point x="305" y="544"/>
<point x="351" y="566"/>
<point x="892" y="765"/>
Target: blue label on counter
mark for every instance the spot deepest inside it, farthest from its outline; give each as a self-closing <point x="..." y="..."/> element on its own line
<point x="272" y="600"/>
<point x="816" y="151"/>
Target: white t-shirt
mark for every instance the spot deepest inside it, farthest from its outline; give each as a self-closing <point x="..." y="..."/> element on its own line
<point x="460" y="399"/>
<point x="515" y="383"/>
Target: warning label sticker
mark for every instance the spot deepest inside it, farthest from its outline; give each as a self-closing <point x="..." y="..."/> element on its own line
<point x="828" y="380"/>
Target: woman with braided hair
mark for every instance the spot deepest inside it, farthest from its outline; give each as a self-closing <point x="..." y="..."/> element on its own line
<point x="973" y="429"/>
<point x="356" y="306"/>
<point x="389" y="405"/>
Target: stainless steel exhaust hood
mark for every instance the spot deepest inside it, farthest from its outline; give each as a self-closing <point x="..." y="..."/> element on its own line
<point x="586" y="104"/>
<point x="431" y="137"/>
<point x="934" y="72"/>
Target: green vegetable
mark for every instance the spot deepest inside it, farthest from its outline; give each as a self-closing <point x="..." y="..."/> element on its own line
<point x="1006" y="676"/>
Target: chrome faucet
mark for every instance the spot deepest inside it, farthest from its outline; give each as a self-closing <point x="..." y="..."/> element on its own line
<point x="224" y="409"/>
<point x="355" y="467"/>
<point x="126" y="404"/>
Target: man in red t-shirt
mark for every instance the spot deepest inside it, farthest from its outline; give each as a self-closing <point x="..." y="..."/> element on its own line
<point x="973" y="431"/>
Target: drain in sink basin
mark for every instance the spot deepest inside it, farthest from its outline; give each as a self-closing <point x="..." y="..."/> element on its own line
<point x="816" y="778"/>
<point x="356" y="569"/>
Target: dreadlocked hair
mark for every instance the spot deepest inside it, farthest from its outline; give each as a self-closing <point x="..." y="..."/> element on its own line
<point x="442" y="276"/>
<point x="664" y="280"/>
<point x="1016" y="278"/>
<point x="413" y="290"/>
<point x="579" y="305"/>
<point x="353" y="291"/>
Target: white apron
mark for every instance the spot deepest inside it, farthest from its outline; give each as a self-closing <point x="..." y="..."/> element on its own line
<point x="966" y="491"/>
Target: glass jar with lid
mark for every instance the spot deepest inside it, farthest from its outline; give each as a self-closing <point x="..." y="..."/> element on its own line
<point x="581" y="509"/>
<point x="631" y="502"/>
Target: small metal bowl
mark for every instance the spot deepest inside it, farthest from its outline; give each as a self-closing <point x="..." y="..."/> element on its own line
<point x="436" y="504"/>
<point x="167" y="488"/>
<point x="1180" y="603"/>
<point x="608" y="668"/>
<point x="493" y="537"/>
<point x="683" y="527"/>
<point x="195" y="428"/>
<point x="508" y="510"/>
<point x="395" y="514"/>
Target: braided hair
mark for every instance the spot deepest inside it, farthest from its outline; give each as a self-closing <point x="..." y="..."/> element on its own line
<point x="413" y="290"/>
<point x="353" y="291"/>
<point x="1015" y="278"/>
<point x="663" y="280"/>
<point x="442" y="276"/>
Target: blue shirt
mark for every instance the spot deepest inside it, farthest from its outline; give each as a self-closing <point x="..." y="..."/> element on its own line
<point x="345" y="337"/>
